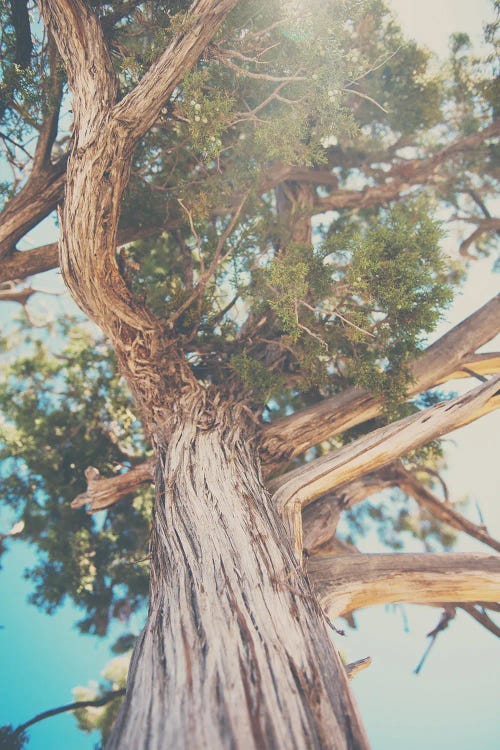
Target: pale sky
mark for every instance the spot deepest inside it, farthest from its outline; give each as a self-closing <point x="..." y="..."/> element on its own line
<point x="453" y="703"/>
<point x="430" y="22"/>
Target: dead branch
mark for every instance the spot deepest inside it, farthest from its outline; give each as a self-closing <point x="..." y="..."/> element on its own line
<point x="347" y="582"/>
<point x="101" y="493"/>
<point x="355" y="667"/>
<point x="443" y="511"/>
<point x="298" y="488"/>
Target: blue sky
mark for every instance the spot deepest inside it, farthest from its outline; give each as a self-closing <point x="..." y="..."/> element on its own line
<point x="452" y="704"/>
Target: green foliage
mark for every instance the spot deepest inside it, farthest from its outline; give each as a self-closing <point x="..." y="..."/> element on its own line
<point x="10" y="739"/>
<point x="399" y="271"/>
<point x="65" y="411"/>
<point x="102" y="718"/>
<point x="263" y="383"/>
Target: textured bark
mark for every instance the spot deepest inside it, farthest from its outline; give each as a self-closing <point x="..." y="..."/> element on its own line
<point x="345" y="583"/>
<point x="33" y="203"/>
<point x="211" y="668"/>
<point x="235" y="653"/>
<point x="105" y="135"/>
<point x="291" y="436"/>
<point x="298" y="488"/>
<point x="20" y="264"/>
<point x="320" y="519"/>
<point x="108" y="491"/>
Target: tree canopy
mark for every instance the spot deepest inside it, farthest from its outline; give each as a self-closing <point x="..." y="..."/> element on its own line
<point x="282" y="223"/>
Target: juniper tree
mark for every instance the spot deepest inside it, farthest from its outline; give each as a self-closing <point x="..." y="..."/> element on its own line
<point x="251" y="203"/>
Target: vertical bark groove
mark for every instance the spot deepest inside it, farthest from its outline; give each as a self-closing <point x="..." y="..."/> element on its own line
<point x="235" y="653"/>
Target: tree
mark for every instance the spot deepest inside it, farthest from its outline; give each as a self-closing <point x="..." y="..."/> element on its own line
<point x="205" y="141"/>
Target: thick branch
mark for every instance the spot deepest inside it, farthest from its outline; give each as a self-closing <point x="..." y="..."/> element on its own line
<point x="16" y="295"/>
<point x="344" y="583"/>
<point x="33" y="203"/>
<point x="80" y="40"/>
<point x="483" y="226"/>
<point x="98" y="171"/>
<point x="321" y="520"/>
<point x="303" y="485"/>
<point x="20" y="264"/>
<point x="139" y="110"/>
<point x="291" y="436"/>
<point x="21" y="23"/>
<point x="101" y="493"/>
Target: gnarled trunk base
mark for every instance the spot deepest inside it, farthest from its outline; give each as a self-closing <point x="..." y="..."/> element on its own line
<point x="235" y="653"/>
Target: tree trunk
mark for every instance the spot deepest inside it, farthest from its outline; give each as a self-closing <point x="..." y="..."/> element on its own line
<point x="235" y="652"/>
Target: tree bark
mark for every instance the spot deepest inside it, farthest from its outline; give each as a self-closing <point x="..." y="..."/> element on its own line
<point x="347" y="582"/>
<point x="291" y="436"/>
<point x="235" y="653"/>
<point x="296" y="489"/>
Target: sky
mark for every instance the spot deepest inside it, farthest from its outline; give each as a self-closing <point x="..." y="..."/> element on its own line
<point x="452" y="704"/>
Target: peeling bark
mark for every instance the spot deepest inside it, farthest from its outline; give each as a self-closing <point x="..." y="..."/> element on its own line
<point x="345" y="583"/>
<point x="211" y="668"/>
<point x="298" y="488"/>
<point x="114" y="488"/>
<point x="235" y="653"/>
<point x="101" y="493"/>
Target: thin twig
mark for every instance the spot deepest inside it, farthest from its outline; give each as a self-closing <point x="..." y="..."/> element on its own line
<point x="337" y="315"/>
<point x="107" y="698"/>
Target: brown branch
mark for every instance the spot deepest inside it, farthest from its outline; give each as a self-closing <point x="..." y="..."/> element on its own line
<point x="80" y="40"/>
<point x="300" y="487"/>
<point x="480" y="616"/>
<point x="443" y="511"/>
<point x="39" y="196"/>
<point x="319" y="422"/>
<point x="357" y="666"/>
<point x="483" y="226"/>
<point x="101" y="493"/>
<point x="404" y="176"/>
<point x="21" y="24"/>
<point x="347" y="582"/>
<point x="320" y="519"/>
<point x="139" y="109"/>
<point x="291" y="436"/>
<point x="16" y="295"/>
<point x="20" y="264"/>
